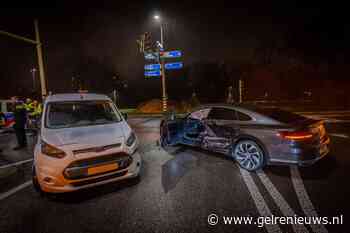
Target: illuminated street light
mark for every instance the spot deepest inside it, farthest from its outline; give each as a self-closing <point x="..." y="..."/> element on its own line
<point x="33" y="70"/>
<point x="156" y="17"/>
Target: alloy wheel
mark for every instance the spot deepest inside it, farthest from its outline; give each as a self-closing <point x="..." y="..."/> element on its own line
<point x="249" y="155"/>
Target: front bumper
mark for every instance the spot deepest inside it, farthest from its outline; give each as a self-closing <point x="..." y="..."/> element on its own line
<point x="54" y="181"/>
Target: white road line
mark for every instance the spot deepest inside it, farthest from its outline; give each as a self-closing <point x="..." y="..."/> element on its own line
<point x="326" y="112"/>
<point x="339" y="135"/>
<point x="14" y="190"/>
<point x="280" y="201"/>
<point x="327" y="115"/>
<point x="304" y="199"/>
<point x="259" y="200"/>
<point x="16" y="163"/>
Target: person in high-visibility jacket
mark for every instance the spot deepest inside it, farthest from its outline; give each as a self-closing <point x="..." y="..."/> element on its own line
<point x="37" y="109"/>
<point x="29" y="105"/>
<point x="20" y="115"/>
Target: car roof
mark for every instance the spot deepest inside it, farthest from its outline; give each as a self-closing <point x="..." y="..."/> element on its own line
<point x="238" y="106"/>
<point x="75" y="97"/>
<point x="251" y="109"/>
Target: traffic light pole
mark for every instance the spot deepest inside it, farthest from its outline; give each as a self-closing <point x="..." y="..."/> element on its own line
<point x="162" y="68"/>
<point x="39" y="53"/>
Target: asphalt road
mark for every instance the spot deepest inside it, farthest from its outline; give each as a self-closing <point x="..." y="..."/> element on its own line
<point x="179" y="188"/>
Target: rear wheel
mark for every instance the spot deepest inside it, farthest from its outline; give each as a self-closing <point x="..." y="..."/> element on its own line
<point x="249" y="155"/>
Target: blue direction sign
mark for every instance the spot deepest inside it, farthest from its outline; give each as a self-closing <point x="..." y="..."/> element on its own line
<point x="152" y="73"/>
<point x="152" y="67"/>
<point x="173" y="65"/>
<point x="171" y="54"/>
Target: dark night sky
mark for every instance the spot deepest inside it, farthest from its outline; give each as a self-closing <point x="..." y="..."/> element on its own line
<point x="94" y="41"/>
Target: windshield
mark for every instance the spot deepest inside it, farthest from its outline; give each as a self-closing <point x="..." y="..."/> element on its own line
<point x="83" y="113"/>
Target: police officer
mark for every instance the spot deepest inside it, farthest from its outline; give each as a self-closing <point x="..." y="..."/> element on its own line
<point x="29" y="105"/>
<point x="20" y="115"/>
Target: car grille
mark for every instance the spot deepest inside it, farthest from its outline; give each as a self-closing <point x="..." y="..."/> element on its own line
<point x="98" y="179"/>
<point x="79" y="169"/>
<point x="96" y="149"/>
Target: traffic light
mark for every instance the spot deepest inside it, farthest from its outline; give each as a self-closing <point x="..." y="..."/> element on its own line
<point x="141" y="43"/>
<point x="147" y="42"/>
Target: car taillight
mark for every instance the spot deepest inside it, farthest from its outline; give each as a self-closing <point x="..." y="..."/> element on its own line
<point x="295" y="135"/>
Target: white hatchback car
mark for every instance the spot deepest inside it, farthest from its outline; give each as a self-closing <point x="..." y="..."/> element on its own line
<point x="84" y="141"/>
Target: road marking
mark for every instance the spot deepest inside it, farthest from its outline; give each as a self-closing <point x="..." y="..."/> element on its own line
<point x="16" y="163"/>
<point x="280" y="201"/>
<point x="326" y="112"/>
<point x="14" y="190"/>
<point x="304" y="199"/>
<point x="339" y="135"/>
<point x="259" y="201"/>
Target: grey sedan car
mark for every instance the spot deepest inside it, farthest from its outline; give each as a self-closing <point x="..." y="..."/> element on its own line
<point x="254" y="136"/>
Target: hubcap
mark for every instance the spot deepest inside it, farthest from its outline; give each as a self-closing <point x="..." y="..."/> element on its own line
<point x="248" y="155"/>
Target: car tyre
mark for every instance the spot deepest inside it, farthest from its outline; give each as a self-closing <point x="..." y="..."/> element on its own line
<point x="249" y="155"/>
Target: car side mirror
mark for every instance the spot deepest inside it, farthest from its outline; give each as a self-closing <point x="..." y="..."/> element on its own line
<point x="125" y="115"/>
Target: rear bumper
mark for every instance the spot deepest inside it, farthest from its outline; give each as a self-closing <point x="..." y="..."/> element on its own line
<point x="316" y="155"/>
<point x="312" y="161"/>
<point x="303" y="155"/>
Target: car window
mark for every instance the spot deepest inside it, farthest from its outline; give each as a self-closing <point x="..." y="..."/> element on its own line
<point x="83" y="113"/>
<point x="243" y="117"/>
<point x="281" y="115"/>
<point x="222" y="114"/>
<point x="200" y="114"/>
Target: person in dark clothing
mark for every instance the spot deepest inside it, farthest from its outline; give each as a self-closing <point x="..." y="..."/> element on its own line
<point x="20" y="116"/>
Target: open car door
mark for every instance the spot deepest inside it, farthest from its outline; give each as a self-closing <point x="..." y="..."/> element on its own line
<point x="194" y="128"/>
<point x="171" y="131"/>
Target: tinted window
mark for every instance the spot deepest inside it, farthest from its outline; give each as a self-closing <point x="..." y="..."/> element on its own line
<point x="281" y="115"/>
<point x="222" y="114"/>
<point x="243" y="117"/>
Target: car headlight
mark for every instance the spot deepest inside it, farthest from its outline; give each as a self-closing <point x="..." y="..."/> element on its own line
<point x="131" y="139"/>
<point x="52" y="151"/>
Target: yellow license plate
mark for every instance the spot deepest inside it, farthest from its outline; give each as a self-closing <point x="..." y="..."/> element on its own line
<point x="102" y="168"/>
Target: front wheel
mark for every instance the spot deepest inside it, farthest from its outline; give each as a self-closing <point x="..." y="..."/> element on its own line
<point x="249" y="155"/>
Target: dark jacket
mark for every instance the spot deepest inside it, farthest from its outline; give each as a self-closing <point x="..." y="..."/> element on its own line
<point x="20" y="115"/>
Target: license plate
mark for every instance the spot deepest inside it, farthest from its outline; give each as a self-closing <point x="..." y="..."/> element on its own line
<point x="323" y="149"/>
<point x="102" y="168"/>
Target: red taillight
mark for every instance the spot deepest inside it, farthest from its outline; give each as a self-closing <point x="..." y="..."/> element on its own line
<point x="295" y="135"/>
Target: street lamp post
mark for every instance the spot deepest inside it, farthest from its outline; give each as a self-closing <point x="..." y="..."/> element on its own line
<point x="36" y="42"/>
<point x="162" y="68"/>
<point x="33" y="76"/>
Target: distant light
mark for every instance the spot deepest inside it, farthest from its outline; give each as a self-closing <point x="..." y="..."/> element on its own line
<point x="156" y="17"/>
